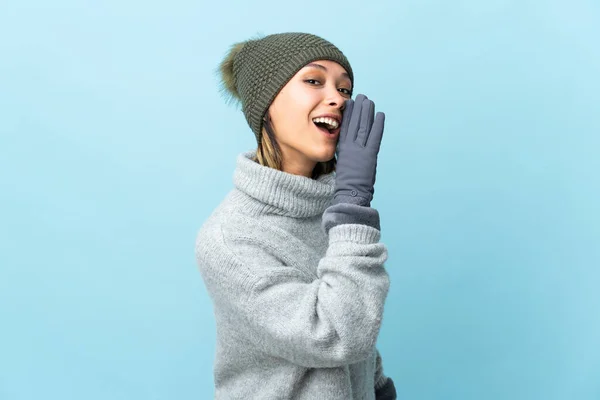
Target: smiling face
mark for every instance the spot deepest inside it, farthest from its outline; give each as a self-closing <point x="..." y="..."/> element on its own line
<point x="318" y="90"/>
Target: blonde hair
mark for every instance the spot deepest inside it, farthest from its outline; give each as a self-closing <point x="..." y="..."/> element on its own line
<point x="268" y="153"/>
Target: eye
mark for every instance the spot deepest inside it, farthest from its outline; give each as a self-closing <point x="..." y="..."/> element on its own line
<point x="346" y="91"/>
<point x="312" y="80"/>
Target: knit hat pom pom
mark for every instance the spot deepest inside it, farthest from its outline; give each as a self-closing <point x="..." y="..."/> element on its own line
<point x="228" y="83"/>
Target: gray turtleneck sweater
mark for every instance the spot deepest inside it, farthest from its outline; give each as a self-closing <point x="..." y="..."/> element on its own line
<point x="298" y="289"/>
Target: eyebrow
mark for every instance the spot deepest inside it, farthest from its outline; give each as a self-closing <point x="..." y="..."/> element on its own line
<point x="315" y="65"/>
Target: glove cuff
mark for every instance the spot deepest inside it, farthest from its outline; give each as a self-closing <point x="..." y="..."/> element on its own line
<point x="345" y="213"/>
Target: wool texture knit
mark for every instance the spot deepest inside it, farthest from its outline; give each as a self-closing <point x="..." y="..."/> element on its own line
<point x="298" y="289"/>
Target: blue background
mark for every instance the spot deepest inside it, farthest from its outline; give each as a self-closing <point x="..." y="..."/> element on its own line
<point x="115" y="146"/>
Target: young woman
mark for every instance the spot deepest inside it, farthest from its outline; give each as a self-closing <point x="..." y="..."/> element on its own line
<point x="291" y="258"/>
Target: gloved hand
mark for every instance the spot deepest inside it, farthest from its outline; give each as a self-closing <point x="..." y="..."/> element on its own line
<point x="387" y="391"/>
<point x="358" y="147"/>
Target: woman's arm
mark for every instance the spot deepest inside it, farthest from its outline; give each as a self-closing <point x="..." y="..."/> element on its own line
<point x="327" y="321"/>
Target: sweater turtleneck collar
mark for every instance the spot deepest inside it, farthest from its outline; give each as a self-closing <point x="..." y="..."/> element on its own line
<point x="271" y="191"/>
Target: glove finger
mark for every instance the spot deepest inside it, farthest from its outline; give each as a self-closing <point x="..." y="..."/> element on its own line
<point x="366" y="122"/>
<point x="375" y="143"/>
<point x="377" y="132"/>
<point x="347" y="114"/>
<point x="355" y="119"/>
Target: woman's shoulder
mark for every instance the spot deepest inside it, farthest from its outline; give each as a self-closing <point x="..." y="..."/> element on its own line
<point x="227" y="224"/>
<point x="230" y="238"/>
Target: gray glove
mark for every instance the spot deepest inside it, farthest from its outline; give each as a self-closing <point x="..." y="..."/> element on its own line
<point x="387" y="391"/>
<point x="358" y="146"/>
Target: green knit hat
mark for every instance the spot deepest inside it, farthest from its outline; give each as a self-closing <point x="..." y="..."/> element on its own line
<point x="254" y="71"/>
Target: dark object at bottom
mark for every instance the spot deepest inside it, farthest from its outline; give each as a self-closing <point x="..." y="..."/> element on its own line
<point x="387" y="391"/>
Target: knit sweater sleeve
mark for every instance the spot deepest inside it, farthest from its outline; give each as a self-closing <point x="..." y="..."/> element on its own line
<point x="329" y="320"/>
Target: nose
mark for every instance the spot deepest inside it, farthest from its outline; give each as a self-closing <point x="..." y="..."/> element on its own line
<point x="334" y="98"/>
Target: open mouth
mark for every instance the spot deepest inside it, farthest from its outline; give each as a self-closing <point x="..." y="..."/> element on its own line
<point x="323" y="127"/>
<point x="327" y="126"/>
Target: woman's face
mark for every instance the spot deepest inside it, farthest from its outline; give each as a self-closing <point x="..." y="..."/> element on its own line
<point x="317" y="90"/>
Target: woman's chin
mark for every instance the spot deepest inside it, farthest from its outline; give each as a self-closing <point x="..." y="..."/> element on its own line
<point x="325" y="155"/>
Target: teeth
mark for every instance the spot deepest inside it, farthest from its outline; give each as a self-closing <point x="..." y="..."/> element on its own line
<point x="332" y="123"/>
